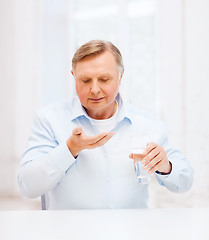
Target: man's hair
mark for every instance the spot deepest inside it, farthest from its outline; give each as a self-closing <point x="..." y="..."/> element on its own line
<point x="96" y="47"/>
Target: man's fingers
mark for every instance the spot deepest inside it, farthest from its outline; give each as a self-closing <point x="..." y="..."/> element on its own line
<point x="77" y="130"/>
<point x="93" y="139"/>
<point x="90" y="142"/>
<point x="151" y="155"/>
<point x="156" y="167"/>
<point x="101" y="141"/>
<point x="150" y="147"/>
<point x="154" y="161"/>
<point x="105" y="139"/>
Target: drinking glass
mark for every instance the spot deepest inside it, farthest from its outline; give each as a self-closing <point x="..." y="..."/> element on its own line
<point x="139" y="144"/>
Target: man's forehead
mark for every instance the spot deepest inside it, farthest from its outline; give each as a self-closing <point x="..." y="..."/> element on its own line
<point x="93" y="74"/>
<point x="105" y="59"/>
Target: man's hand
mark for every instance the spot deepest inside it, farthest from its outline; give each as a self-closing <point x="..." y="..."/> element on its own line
<point x="79" y="141"/>
<point x="154" y="159"/>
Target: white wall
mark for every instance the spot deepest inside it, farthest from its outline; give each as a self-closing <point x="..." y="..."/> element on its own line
<point x="183" y="78"/>
<point x="20" y="83"/>
<point x="56" y="61"/>
<point x="196" y="94"/>
<point x="7" y="91"/>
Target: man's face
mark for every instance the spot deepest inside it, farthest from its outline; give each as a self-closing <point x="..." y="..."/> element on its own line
<point x="97" y="83"/>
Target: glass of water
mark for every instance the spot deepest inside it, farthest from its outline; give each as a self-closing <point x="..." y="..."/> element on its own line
<point x="139" y="144"/>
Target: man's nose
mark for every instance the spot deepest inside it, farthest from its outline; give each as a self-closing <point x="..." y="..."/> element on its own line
<point x="95" y="88"/>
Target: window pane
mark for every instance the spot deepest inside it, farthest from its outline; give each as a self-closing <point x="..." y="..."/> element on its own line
<point x="104" y="29"/>
<point x="142" y="48"/>
<point x="89" y="4"/>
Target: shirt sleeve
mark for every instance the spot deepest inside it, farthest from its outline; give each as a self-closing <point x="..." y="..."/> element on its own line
<point x="181" y="177"/>
<point x="45" y="161"/>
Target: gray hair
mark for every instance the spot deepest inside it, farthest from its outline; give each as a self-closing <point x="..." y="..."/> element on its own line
<point x="96" y="47"/>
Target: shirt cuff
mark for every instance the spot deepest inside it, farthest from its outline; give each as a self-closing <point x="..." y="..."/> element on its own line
<point x="163" y="176"/>
<point x="161" y="173"/>
<point x="61" y="157"/>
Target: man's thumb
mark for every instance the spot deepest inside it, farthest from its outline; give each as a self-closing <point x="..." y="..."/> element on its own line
<point x="77" y="131"/>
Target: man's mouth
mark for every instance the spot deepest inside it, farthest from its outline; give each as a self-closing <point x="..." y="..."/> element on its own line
<point x="96" y="99"/>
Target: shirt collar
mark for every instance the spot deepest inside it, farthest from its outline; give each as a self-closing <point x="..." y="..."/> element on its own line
<point x="124" y="112"/>
<point x="77" y="110"/>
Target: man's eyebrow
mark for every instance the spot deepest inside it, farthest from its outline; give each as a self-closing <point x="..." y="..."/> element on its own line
<point x="105" y="75"/>
<point x="83" y="76"/>
<point x="102" y="75"/>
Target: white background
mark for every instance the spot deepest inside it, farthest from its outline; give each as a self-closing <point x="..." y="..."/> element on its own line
<point x="165" y="44"/>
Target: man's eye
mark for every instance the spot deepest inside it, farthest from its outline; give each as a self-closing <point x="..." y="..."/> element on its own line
<point x="85" y="80"/>
<point x="104" y="79"/>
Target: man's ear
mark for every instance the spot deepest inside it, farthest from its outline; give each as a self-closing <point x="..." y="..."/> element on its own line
<point x="72" y="73"/>
<point x="121" y="75"/>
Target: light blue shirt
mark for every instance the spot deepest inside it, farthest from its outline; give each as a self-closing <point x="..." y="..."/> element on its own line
<point x="98" y="178"/>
